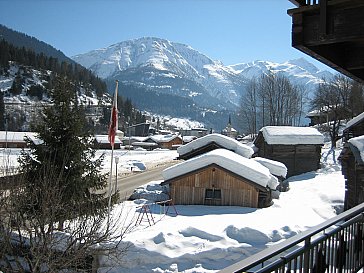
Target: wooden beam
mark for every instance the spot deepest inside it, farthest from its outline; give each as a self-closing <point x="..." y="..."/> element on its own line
<point x="298" y="3"/>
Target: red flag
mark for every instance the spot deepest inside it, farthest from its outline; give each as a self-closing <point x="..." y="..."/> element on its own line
<point x="113" y="127"/>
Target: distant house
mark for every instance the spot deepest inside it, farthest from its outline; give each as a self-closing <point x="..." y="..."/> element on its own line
<point x="197" y="132"/>
<point x="211" y="142"/>
<point x="298" y="148"/>
<point x="167" y="141"/>
<point x="9" y="139"/>
<point x="352" y="162"/>
<point x="220" y="177"/>
<point x="102" y="142"/>
<point x="354" y="127"/>
<point x="140" y="130"/>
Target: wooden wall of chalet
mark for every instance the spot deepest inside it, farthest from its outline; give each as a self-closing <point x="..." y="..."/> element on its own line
<point x="170" y="144"/>
<point x="297" y="158"/>
<point x="190" y="189"/>
<point x="354" y="179"/>
<point x="354" y="131"/>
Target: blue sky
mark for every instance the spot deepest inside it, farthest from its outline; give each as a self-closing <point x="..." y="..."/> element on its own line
<point x="232" y="31"/>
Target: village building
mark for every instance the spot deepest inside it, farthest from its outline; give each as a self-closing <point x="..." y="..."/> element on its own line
<point x="102" y="142"/>
<point x="197" y="132"/>
<point x="229" y="131"/>
<point x="220" y="177"/>
<point x="352" y="162"/>
<point x="170" y="141"/>
<point x="9" y="139"/>
<point x="211" y="142"/>
<point x="354" y="128"/>
<point x="298" y="148"/>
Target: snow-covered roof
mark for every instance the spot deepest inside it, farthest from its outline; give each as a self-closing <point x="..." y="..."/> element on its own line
<point x="188" y="138"/>
<point x="289" y="135"/>
<point x="223" y="141"/>
<point x="276" y="168"/>
<point x="10" y="136"/>
<point x="104" y="139"/>
<point x="244" y="167"/>
<point x="355" y="120"/>
<point x="358" y="143"/>
<point x="163" y="138"/>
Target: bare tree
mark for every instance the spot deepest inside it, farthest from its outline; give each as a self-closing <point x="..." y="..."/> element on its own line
<point x="272" y="100"/>
<point x="332" y="98"/>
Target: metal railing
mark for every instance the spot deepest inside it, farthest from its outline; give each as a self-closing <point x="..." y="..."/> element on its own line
<point x="336" y="245"/>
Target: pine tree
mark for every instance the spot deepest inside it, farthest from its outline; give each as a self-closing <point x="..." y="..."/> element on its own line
<point x="66" y="151"/>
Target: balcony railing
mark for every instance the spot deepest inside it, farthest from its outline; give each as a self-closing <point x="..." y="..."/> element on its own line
<point x="336" y="245"/>
<point x="300" y="3"/>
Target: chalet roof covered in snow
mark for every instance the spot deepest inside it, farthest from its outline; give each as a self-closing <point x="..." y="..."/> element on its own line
<point x="163" y="138"/>
<point x="355" y="120"/>
<point x="276" y="168"/>
<point x="244" y="167"/>
<point x="223" y="141"/>
<point x="289" y="135"/>
<point x="358" y="144"/>
<point x="9" y="136"/>
<point x="105" y="139"/>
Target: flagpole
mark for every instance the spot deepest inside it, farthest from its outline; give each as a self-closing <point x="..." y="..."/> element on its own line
<point x="113" y="127"/>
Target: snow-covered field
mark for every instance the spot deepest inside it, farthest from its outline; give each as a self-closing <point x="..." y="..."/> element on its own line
<point x="209" y="238"/>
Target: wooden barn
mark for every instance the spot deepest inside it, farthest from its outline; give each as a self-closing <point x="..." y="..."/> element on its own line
<point x="211" y="142"/>
<point x="298" y="148"/>
<point x="352" y="162"/>
<point x="354" y="127"/>
<point x="222" y="178"/>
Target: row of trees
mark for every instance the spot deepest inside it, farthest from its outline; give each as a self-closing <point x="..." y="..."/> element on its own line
<point x="271" y="100"/>
<point x="53" y="216"/>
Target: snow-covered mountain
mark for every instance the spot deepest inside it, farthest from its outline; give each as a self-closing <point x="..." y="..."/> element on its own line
<point x="174" y="79"/>
<point x="166" y="67"/>
<point x="298" y="71"/>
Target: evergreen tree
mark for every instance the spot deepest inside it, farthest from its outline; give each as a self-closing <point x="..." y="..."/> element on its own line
<point x="66" y="150"/>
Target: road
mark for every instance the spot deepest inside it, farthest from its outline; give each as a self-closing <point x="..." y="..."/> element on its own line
<point x="126" y="185"/>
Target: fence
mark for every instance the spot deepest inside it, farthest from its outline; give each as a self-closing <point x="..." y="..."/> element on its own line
<point x="336" y="245"/>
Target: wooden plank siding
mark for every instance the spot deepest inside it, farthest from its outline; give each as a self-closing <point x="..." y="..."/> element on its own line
<point x="297" y="158"/>
<point x="190" y="188"/>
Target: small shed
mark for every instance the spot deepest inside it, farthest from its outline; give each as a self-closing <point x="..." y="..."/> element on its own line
<point x="220" y="177"/>
<point x="354" y="127"/>
<point x="102" y="142"/>
<point x="298" y="148"/>
<point x="278" y="169"/>
<point x="211" y="142"/>
<point x="352" y="162"/>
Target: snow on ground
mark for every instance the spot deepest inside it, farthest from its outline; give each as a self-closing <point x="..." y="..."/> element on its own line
<point x="209" y="238"/>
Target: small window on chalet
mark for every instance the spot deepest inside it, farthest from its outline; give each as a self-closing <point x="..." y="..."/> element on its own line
<point x="213" y="194"/>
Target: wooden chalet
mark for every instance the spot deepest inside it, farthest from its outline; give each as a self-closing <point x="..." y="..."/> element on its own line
<point x="354" y="128"/>
<point x="352" y="162"/>
<point x="221" y="178"/>
<point x="170" y="141"/>
<point x="331" y="31"/>
<point x="298" y="148"/>
<point x="211" y="142"/>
